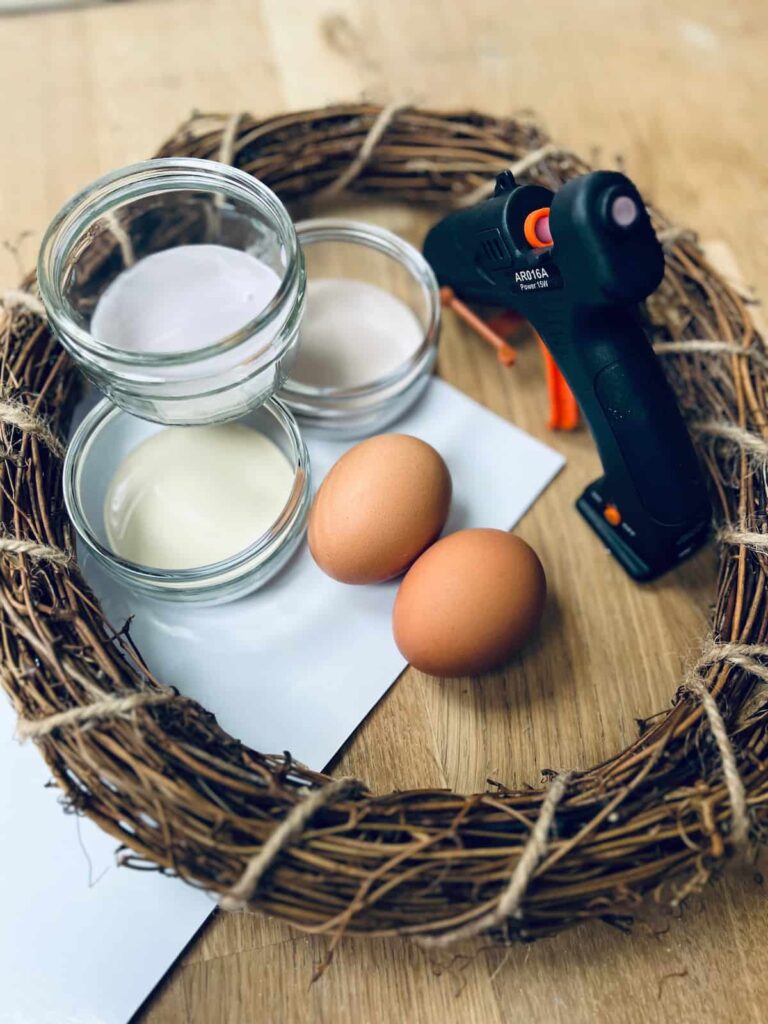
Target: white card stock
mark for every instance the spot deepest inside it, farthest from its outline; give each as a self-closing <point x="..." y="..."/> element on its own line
<point x="295" y="666"/>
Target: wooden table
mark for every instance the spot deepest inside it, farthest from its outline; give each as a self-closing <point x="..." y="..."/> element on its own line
<point x="678" y="89"/>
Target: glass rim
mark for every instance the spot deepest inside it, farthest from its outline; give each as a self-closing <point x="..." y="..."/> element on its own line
<point x="87" y="433"/>
<point x="387" y="243"/>
<point x="146" y="178"/>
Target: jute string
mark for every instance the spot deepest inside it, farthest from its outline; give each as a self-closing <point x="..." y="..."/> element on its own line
<point x="109" y="707"/>
<point x="525" y="163"/>
<point x="749" y="442"/>
<point x="18" y="415"/>
<point x="38" y="552"/>
<point x="227" y="147"/>
<point x="13" y="412"/>
<point x="357" y="166"/>
<point x="226" y="154"/>
<point x="695" y="345"/>
<point x="669" y="236"/>
<point x="745" y="538"/>
<point x="510" y="901"/>
<point x="742" y="655"/>
<point x="17" y="297"/>
<point x="287" y="832"/>
<point x="122" y="238"/>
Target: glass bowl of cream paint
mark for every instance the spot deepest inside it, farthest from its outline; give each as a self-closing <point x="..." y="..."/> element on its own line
<point x="102" y="447"/>
<point x="203" y="240"/>
<point x="368" y="339"/>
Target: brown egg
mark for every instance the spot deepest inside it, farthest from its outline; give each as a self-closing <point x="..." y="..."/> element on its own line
<point x="469" y="603"/>
<point x="380" y="506"/>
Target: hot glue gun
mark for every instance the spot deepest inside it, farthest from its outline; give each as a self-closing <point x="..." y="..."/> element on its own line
<point x="575" y="263"/>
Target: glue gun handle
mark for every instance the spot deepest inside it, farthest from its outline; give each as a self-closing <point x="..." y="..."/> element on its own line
<point x="650" y="466"/>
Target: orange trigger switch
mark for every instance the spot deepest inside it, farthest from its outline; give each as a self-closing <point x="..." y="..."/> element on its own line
<point x="612" y="515"/>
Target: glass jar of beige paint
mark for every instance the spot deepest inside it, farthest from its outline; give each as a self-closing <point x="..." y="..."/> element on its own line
<point x="103" y="445"/>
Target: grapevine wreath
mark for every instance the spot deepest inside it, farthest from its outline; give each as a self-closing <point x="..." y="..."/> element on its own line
<point x="154" y="769"/>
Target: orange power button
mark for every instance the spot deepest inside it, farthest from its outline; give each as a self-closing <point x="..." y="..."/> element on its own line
<point x="612" y="515"/>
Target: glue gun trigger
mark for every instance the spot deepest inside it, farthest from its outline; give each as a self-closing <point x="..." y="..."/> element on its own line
<point x="563" y="407"/>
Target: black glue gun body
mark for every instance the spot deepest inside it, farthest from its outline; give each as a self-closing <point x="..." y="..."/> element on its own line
<point x="576" y="263"/>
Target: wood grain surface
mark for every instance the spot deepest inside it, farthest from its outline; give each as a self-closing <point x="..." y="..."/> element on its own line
<point x="677" y="89"/>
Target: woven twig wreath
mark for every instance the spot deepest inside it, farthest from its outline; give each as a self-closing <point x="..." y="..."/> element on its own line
<point x="154" y="769"/>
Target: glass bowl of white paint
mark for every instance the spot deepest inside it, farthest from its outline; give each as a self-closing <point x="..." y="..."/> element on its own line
<point x="368" y="339"/>
<point x="123" y="477"/>
<point x="177" y="285"/>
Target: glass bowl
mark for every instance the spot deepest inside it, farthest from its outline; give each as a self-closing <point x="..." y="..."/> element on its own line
<point x="364" y="252"/>
<point x="108" y="434"/>
<point x="148" y="208"/>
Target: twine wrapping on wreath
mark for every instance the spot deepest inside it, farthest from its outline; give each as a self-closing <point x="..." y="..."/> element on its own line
<point x="364" y="153"/>
<point x="87" y="714"/>
<point x="424" y="859"/>
<point x="516" y="169"/>
<point x="745" y="538"/>
<point x="287" y="832"/>
<point x="693" y="684"/>
<point x="701" y="347"/>
<point x="15" y="414"/>
<point x="750" y="443"/>
<point x="742" y="655"/>
<point x="121" y="236"/>
<point x="511" y="899"/>
<point x="18" y="297"/>
<point x="226" y="149"/>
<point x="669" y="236"/>
<point x="38" y="552"/>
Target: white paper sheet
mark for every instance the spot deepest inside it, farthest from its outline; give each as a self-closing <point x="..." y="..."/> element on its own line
<point x="81" y="941"/>
<point x="295" y="667"/>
